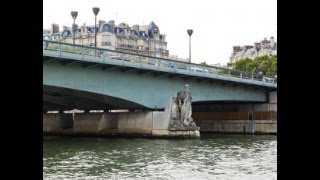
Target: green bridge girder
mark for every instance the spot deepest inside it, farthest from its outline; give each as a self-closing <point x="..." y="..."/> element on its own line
<point x="69" y="83"/>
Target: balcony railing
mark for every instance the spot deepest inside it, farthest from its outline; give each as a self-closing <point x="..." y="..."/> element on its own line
<point x="177" y="66"/>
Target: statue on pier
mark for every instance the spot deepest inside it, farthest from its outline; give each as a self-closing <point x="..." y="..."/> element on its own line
<point x="181" y="111"/>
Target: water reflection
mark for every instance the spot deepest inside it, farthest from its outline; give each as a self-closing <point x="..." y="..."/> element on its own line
<point x="211" y="157"/>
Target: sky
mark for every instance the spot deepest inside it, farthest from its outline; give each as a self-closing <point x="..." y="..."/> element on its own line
<point x="217" y="25"/>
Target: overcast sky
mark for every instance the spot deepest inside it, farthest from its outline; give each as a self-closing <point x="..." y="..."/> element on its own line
<point x="218" y="24"/>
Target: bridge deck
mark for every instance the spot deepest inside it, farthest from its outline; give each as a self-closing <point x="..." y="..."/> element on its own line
<point x="69" y="53"/>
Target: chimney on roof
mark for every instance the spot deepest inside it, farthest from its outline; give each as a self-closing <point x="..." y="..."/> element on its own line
<point x="111" y="22"/>
<point x="236" y="49"/>
<point x="55" y="28"/>
<point x="246" y="47"/>
<point x="135" y="27"/>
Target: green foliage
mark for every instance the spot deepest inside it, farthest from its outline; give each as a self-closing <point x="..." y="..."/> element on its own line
<point x="204" y="63"/>
<point x="265" y="64"/>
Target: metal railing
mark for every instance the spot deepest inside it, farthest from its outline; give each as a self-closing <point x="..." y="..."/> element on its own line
<point x="177" y="66"/>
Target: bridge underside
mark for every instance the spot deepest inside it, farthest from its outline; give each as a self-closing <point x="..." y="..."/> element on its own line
<point x="57" y="98"/>
<point x="61" y="99"/>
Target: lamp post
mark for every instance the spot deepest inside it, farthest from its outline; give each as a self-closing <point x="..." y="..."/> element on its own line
<point x="74" y="15"/>
<point x="190" y="31"/>
<point x="95" y="12"/>
<point x="155" y="32"/>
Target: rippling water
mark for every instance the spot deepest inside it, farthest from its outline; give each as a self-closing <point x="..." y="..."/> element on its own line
<point x="214" y="157"/>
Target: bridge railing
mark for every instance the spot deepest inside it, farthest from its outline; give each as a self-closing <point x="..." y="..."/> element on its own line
<point x="144" y="60"/>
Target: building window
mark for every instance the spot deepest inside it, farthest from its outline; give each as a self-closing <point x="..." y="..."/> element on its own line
<point x="105" y="43"/>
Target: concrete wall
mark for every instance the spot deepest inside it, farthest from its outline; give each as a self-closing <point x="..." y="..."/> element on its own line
<point x="57" y="122"/>
<point x="135" y="123"/>
<point x="265" y="127"/>
<point x="273" y="97"/>
<point x="273" y="107"/>
<point x="235" y="107"/>
<point x="130" y="123"/>
<point x="86" y="122"/>
<point x="238" y="126"/>
<point x="146" y="123"/>
<point x="273" y="101"/>
<point x="160" y="121"/>
<point x="110" y="123"/>
<point x="100" y="123"/>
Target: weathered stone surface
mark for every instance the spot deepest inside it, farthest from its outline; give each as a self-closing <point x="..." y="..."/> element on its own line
<point x="86" y="122"/>
<point x="135" y="123"/>
<point x="57" y="122"/>
<point x="160" y="120"/>
<point x="108" y="121"/>
<point x="167" y="133"/>
<point x="180" y="111"/>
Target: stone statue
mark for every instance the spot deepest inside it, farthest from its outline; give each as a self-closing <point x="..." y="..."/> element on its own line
<point x="181" y="111"/>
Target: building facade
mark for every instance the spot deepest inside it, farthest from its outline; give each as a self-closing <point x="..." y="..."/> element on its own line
<point x="144" y="39"/>
<point x="264" y="47"/>
<point x="46" y="32"/>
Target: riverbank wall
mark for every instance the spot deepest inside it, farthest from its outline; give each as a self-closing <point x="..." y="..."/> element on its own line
<point x="264" y="122"/>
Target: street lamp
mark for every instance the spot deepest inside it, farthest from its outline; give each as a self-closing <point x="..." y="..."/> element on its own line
<point x="74" y="15"/>
<point x="95" y="12"/>
<point x="190" y="31"/>
<point x="155" y="32"/>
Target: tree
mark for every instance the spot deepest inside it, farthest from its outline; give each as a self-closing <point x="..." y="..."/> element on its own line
<point x="265" y="64"/>
<point x="204" y="63"/>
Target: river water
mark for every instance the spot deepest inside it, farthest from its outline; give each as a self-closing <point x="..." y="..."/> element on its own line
<point x="211" y="157"/>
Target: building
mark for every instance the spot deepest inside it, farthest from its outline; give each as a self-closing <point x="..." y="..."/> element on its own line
<point x="55" y="28"/>
<point x="264" y="47"/>
<point x="46" y="32"/>
<point x="144" y="39"/>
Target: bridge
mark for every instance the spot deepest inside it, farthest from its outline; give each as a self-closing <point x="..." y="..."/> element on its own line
<point x="87" y="78"/>
<point x="82" y="77"/>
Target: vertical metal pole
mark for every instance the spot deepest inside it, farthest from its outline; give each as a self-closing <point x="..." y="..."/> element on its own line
<point x="217" y="72"/>
<point x="74" y="32"/>
<point x="82" y="48"/>
<point x="189" y="49"/>
<point x="60" y="49"/>
<point x="158" y="63"/>
<point x="140" y="60"/>
<point x="154" y="46"/>
<point x="95" y="36"/>
<point x="95" y="32"/>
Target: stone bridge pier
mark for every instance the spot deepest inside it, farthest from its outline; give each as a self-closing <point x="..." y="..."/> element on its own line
<point x="151" y="124"/>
